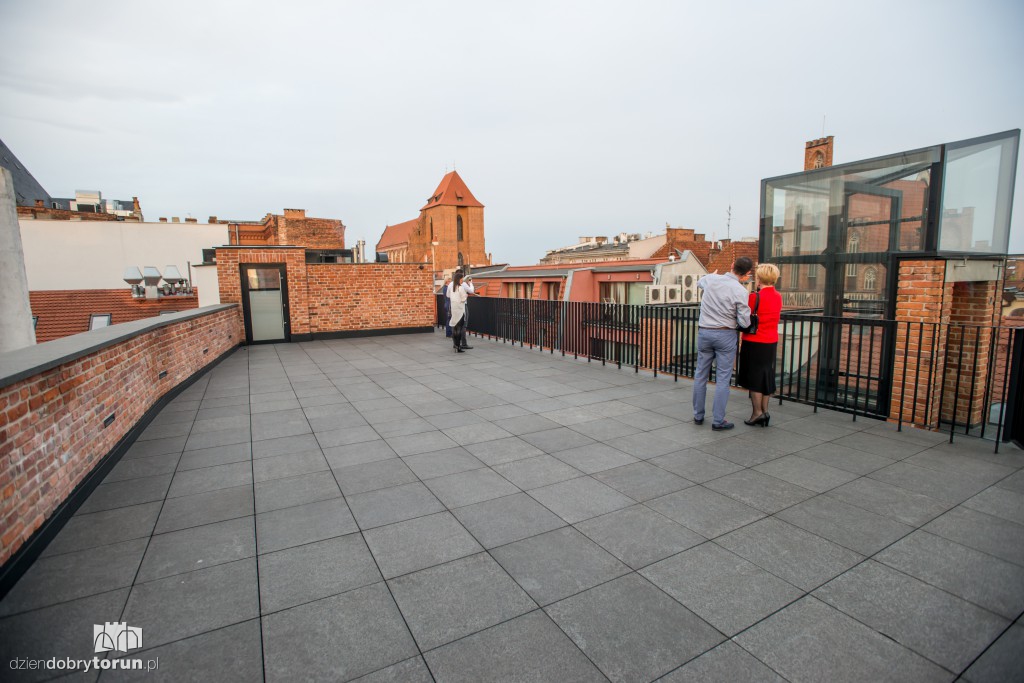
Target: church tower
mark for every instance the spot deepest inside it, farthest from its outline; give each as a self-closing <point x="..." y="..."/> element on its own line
<point x="454" y="219"/>
<point x="818" y="153"/>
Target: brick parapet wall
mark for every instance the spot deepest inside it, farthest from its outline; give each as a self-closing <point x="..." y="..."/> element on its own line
<point x="974" y="310"/>
<point x="51" y="423"/>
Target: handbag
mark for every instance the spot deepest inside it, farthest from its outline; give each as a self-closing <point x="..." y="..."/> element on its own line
<point x="752" y="327"/>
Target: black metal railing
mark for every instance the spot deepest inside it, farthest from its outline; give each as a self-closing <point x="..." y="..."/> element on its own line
<point x="938" y="376"/>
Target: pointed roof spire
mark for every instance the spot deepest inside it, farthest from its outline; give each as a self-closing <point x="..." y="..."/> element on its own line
<point x="452" y="191"/>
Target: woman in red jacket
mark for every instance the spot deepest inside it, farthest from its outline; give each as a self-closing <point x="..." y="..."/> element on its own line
<point x="757" y="354"/>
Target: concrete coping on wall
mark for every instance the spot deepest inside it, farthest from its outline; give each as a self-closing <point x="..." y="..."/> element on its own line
<point x="32" y="360"/>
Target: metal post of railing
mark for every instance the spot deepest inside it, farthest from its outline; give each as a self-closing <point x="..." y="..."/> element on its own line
<point x="1010" y="344"/>
<point x="993" y="358"/>
<point x="956" y="391"/>
<point x="974" y="376"/>
<point x="936" y="332"/>
<point x="860" y="353"/>
<point x="903" y="380"/>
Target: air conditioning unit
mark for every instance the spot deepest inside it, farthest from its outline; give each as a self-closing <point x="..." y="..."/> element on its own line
<point x="654" y="294"/>
<point x="673" y="294"/>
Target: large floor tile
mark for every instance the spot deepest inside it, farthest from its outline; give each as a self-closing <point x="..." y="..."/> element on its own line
<point x="419" y="543"/>
<point x="849" y="526"/>
<point x="467" y="488"/>
<point x="337" y="638"/>
<point x="722" y="588"/>
<point x="205" y="508"/>
<point x="708" y="513"/>
<point x="197" y="548"/>
<point x="810" y="641"/>
<point x="760" y="491"/>
<point x="639" y="536"/>
<point x="983" y="532"/>
<point x="947" y="630"/>
<point x="727" y="662"/>
<point x="393" y="504"/>
<point x="458" y="598"/>
<point x="509" y="518"/>
<point x="632" y="630"/>
<point x="187" y="604"/>
<point x="582" y="498"/>
<point x="792" y="554"/>
<point x="528" y="648"/>
<point x="313" y="571"/>
<point x="557" y="564"/>
<point x="85" y="531"/>
<point x="294" y="526"/>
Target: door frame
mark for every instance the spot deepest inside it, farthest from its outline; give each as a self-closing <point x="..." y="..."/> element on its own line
<point x="282" y="268"/>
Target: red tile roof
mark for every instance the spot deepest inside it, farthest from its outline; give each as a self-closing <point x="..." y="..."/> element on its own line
<point x="396" y="234"/>
<point x="723" y="260"/>
<point x="62" y="313"/>
<point x="452" y="192"/>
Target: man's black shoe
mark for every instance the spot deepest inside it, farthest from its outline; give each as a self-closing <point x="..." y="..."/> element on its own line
<point x="466" y="346"/>
<point x="698" y="422"/>
<point x="722" y="427"/>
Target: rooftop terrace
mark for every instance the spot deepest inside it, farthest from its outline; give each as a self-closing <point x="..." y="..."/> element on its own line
<point x="382" y="506"/>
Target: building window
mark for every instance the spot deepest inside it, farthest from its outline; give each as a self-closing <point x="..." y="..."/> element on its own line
<point x="794" y="276"/>
<point x="778" y="246"/>
<point x="458" y="223"/>
<point x="554" y="290"/>
<point x="35" y="321"/>
<point x="431" y="229"/>
<point x="167" y="312"/>
<point x="460" y="259"/>
<point x="852" y="247"/>
<point x="98" y="320"/>
<point x="520" y="290"/>
<point x="870" y="279"/>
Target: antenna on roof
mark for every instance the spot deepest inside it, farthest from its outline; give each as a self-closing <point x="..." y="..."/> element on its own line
<point x="728" y="220"/>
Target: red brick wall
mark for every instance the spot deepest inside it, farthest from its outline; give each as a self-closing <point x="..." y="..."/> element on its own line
<point x="51" y="424"/>
<point x="368" y="296"/>
<point x="338" y="297"/>
<point x="921" y="297"/>
<point x="974" y="305"/>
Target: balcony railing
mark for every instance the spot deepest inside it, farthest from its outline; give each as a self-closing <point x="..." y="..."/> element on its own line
<point x="936" y="376"/>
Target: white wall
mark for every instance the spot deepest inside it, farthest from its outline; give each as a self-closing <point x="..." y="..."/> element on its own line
<point x="205" y="278"/>
<point x="94" y="254"/>
<point x="646" y="247"/>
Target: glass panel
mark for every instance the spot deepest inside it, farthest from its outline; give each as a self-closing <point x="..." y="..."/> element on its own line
<point x="97" y="321"/>
<point x="267" y="311"/>
<point x="635" y="293"/>
<point x="802" y="286"/>
<point x="262" y="279"/>
<point x="976" y="196"/>
<point x="864" y="290"/>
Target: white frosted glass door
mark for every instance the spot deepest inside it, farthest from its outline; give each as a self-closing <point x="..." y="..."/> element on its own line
<point x="265" y="293"/>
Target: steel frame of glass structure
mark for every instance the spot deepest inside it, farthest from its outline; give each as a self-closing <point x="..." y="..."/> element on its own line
<point x="838" y="233"/>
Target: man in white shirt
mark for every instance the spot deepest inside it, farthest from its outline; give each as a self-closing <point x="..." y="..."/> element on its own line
<point x="723" y="307"/>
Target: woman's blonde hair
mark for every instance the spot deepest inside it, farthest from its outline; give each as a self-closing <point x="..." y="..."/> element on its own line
<point x="767" y="274"/>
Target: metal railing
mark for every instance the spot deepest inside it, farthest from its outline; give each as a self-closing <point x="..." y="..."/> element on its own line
<point x="937" y="376"/>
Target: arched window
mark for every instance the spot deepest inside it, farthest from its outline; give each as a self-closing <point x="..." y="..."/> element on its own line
<point x="460" y="260"/>
<point x="431" y="229"/>
<point x="870" y="278"/>
<point x="458" y="223"/>
<point x="819" y="160"/>
<point x="778" y="246"/>
<point x="852" y="247"/>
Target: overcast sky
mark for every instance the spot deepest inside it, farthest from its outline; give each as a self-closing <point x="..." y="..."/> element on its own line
<point x="564" y="118"/>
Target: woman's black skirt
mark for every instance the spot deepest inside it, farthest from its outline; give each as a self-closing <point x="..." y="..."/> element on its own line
<point x="757" y="367"/>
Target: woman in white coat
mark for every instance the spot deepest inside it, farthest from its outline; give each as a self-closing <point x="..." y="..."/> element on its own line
<point x="457" y="295"/>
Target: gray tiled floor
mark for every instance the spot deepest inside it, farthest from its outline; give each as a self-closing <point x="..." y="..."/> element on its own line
<point x="383" y="508"/>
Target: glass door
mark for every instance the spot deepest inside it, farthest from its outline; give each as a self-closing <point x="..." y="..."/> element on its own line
<point x="265" y="303"/>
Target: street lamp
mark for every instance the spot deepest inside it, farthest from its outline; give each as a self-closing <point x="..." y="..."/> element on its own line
<point x="433" y="260"/>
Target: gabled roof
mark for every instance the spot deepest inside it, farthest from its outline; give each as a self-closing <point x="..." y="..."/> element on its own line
<point x="396" y="234"/>
<point x="62" y="313"/>
<point x="452" y="192"/>
<point x="26" y="188"/>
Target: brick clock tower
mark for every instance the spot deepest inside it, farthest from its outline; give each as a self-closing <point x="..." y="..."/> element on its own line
<point x="818" y="153"/>
<point x="453" y="218"/>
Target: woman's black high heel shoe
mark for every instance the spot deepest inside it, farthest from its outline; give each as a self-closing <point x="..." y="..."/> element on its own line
<point x="760" y="420"/>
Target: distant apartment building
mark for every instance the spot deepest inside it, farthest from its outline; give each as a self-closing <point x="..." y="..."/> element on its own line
<point x="448" y="233"/>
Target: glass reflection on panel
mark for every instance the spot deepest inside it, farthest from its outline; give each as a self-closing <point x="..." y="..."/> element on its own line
<point x="976" y="197"/>
<point x="263" y="278"/>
